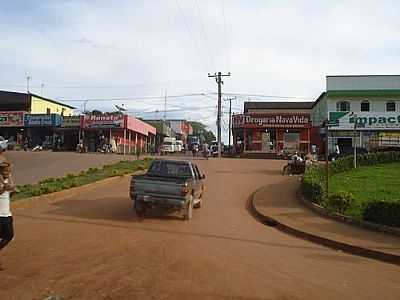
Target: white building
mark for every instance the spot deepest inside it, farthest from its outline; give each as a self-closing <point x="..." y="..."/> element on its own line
<point x="375" y="102"/>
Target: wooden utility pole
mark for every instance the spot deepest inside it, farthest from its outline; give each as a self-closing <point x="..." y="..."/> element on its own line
<point x="230" y="119"/>
<point x="218" y="78"/>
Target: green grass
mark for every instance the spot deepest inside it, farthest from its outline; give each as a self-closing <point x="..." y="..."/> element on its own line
<point x="378" y="182"/>
<point x="51" y="185"/>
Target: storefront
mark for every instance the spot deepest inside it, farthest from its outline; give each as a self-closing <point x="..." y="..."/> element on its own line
<point x="124" y="133"/>
<point x="41" y="129"/>
<point x="69" y="132"/>
<point x="12" y="126"/>
<point x="369" y="130"/>
<point x="273" y="133"/>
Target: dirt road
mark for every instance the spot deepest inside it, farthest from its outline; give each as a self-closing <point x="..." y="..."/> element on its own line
<point x="31" y="167"/>
<point x="93" y="247"/>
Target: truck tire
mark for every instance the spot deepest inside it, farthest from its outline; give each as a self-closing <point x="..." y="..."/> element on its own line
<point x="188" y="214"/>
<point x="139" y="209"/>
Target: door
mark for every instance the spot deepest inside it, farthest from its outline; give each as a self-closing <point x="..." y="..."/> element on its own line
<point x="198" y="184"/>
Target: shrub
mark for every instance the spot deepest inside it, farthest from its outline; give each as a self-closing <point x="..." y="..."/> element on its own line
<point x="92" y="170"/>
<point x="339" y="202"/>
<point x="313" y="183"/>
<point x="382" y="212"/>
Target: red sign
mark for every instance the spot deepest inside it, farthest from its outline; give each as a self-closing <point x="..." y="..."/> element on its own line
<point x="11" y="119"/>
<point x="104" y="121"/>
<point x="273" y="120"/>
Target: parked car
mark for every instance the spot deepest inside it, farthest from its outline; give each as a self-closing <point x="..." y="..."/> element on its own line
<point x="3" y="143"/>
<point x="169" y="184"/>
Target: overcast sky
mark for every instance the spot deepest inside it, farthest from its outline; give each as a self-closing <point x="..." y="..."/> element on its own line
<point x="135" y="49"/>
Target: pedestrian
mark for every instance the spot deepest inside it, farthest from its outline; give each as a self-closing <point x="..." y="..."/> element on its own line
<point x="6" y="220"/>
<point x="337" y="151"/>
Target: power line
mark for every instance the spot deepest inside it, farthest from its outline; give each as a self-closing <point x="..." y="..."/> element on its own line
<point x="130" y="98"/>
<point x="265" y="96"/>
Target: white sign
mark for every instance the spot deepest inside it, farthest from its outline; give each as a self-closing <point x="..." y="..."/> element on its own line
<point x="365" y="121"/>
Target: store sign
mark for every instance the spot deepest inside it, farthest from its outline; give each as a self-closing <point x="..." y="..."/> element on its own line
<point x="364" y="121"/>
<point x="42" y="120"/>
<point x="12" y="119"/>
<point x="286" y="120"/>
<point x="103" y="121"/>
<point x="71" y="121"/>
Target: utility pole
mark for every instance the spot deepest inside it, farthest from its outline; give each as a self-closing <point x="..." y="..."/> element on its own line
<point x="230" y="119"/>
<point x="27" y="83"/>
<point x="165" y="106"/>
<point x="326" y="157"/>
<point x="218" y="78"/>
<point x="41" y="89"/>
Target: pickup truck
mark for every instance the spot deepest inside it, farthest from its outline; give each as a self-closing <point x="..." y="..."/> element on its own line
<point x="170" y="184"/>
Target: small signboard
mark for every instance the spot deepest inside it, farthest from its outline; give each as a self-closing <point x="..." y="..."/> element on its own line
<point x="71" y="121"/>
<point x="42" y="120"/>
<point x="12" y="119"/>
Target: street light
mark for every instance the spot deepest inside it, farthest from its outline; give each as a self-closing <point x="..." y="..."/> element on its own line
<point x="354" y="115"/>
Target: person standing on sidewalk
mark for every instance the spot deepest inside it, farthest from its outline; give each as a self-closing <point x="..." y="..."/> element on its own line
<point x="6" y="220"/>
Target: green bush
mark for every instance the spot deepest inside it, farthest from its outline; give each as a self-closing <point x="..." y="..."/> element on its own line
<point x="339" y="202"/>
<point x="382" y="212"/>
<point x="313" y="183"/>
<point x="346" y="163"/>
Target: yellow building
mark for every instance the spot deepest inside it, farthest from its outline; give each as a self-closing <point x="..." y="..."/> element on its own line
<point x="33" y="104"/>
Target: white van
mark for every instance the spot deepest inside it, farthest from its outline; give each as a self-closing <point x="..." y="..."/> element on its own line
<point x="179" y="146"/>
<point x="168" y="145"/>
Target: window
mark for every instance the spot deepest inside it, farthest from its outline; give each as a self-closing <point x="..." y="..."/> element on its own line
<point x="365" y="105"/>
<point x="48" y="111"/>
<point x="343" y="106"/>
<point x="390" y="106"/>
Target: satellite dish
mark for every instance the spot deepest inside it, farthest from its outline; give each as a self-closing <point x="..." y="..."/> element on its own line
<point x="120" y="108"/>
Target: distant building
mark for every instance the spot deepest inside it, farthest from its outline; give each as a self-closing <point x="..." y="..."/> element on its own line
<point x="272" y="128"/>
<point x="371" y="102"/>
<point x="32" y="104"/>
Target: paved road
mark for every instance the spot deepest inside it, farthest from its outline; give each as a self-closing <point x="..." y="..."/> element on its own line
<point x="31" y="167"/>
<point x="92" y="246"/>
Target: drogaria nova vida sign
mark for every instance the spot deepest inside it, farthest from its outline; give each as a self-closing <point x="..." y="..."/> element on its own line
<point x="364" y="120"/>
<point x="284" y="120"/>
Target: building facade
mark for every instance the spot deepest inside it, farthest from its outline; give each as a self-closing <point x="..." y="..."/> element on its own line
<point x="360" y="110"/>
<point x="272" y="127"/>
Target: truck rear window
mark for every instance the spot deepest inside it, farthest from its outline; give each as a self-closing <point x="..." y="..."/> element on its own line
<point x="172" y="169"/>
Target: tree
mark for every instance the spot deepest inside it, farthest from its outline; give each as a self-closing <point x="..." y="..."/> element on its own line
<point x="201" y="130"/>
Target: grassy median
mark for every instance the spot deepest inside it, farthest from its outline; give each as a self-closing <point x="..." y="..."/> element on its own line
<point x="369" y="183"/>
<point x="51" y="185"/>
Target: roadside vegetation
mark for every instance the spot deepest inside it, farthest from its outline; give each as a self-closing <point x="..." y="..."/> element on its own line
<point x="51" y="185"/>
<point x="371" y="192"/>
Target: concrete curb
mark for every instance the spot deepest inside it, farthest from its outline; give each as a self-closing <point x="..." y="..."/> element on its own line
<point x="333" y="244"/>
<point x="345" y="219"/>
<point x="64" y="194"/>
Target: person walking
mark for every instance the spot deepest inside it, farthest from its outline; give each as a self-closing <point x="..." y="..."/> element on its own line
<point x="6" y="220"/>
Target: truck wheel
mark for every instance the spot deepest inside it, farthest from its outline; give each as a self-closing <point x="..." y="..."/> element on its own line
<point x="139" y="209"/>
<point x="200" y="203"/>
<point x="189" y="210"/>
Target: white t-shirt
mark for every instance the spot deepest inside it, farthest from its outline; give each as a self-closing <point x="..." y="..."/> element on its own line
<point x="5" y="205"/>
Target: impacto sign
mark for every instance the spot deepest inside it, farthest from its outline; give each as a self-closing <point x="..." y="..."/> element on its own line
<point x="286" y="120"/>
<point x="11" y="118"/>
<point x="364" y="120"/>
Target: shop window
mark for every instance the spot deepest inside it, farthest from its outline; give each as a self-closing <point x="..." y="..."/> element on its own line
<point x="365" y="105"/>
<point x="391" y="106"/>
<point x="343" y="106"/>
<point x="48" y="111"/>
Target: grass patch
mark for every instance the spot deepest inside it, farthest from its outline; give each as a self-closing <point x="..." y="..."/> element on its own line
<point x="51" y="185"/>
<point x="369" y="183"/>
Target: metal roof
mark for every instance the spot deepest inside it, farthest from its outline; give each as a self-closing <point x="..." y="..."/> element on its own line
<point x="278" y="105"/>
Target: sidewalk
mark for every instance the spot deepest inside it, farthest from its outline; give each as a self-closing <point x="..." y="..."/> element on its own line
<point x="292" y="216"/>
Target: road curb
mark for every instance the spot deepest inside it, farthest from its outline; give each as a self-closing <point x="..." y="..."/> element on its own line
<point x="333" y="244"/>
<point x="64" y="194"/>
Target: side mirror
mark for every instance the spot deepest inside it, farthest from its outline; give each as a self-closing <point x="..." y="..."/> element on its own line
<point x="203" y="177"/>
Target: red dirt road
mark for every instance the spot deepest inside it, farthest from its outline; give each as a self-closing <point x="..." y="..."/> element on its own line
<point x="92" y="246"/>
